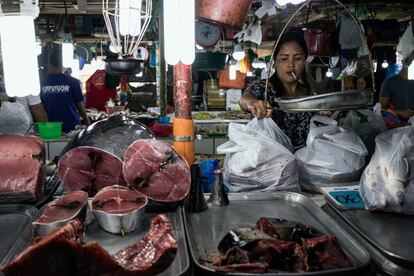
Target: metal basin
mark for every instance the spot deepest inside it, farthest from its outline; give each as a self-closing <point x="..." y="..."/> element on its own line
<point x="122" y="222"/>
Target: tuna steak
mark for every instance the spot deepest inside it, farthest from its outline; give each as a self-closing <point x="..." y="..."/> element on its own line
<point x="60" y="211"/>
<point x="155" y="169"/>
<point x="113" y="134"/>
<point x="16" y="145"/>
<point x="63" y="208"/>
<point x="21" y="178"/>
<point x="89" y="169"/>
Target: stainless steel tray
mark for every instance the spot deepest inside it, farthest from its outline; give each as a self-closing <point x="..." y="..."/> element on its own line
<point x="381" y="262"/>
<point x="14" y="219"/>
<point x="349" y="99"/>
<point x="205" y="230"/>
<point x="112" y="243"/>
<point x="391" y="235"/>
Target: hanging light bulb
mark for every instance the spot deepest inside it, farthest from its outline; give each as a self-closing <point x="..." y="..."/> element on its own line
<point x="238" y="52"/>
<point x="18" y="47"/>
<point x="67" y="52"/>
<point x="329" y="73"/>
<point x="126" y="22"/>
<point x="130" y="17"/>
<point x="385" y="64"/>
<point x="179" y="31"/>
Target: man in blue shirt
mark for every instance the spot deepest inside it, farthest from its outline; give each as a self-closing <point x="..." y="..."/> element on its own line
<point x="62" y="95"/>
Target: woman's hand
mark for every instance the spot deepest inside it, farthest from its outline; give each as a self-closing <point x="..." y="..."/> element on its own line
<point x="260" y="109"/>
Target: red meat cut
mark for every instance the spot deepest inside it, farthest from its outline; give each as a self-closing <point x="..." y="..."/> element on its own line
<point x="61" y="252"/>
<point x="155" y="169"/>
<point x="63" y="208"/>
<point x="89" y="169"/>
<point x="118" y="200"/>
<point x="154" y="252"/>
<point x="21" y="177"/>
<point x="17" y="145"/>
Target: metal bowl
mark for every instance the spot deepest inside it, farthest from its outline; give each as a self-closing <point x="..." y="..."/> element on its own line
<point x="122" y="223"/>
<point x="349" y="99"/>
<point x="123" y="66"/>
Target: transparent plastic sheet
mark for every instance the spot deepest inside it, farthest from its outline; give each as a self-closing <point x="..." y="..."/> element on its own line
<point x="14" y="118"/>
<point x="258" y="157"/>
<point x="332" y="153"/>
<point x="406" y="45"/>
<point x="387" y="183"/>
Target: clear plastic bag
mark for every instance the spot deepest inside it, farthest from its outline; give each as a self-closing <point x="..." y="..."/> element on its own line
<point x="14" y="119"/>
<point x="406" y="45"/>
<point x="387" y="183"/>
<point x="366" y="123"/>
<point x="332" y="153"/>
<point x="257" y="158"/>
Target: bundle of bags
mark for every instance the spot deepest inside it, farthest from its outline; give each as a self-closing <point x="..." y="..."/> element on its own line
<point x="258" y="157"/>
<point x="332" y="154"/>
<point x="387" y="183"/>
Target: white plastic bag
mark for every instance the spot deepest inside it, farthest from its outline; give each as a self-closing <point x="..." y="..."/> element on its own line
<point x="332" y="153"/>
<point x="14" y="118"/>
<point x="257" y="158"/>
<point x="388" y="181"/>
<point x="366" y="123"/>
<point x="406" y="45"/>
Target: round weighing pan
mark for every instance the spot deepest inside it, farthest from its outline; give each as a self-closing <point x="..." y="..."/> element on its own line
<point x="123" y="66"/>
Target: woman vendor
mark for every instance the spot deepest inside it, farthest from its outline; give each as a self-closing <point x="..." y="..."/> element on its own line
<point x="288" y="81"/>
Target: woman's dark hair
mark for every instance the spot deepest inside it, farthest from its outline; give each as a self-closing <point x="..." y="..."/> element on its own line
<point x="291" y="36"/>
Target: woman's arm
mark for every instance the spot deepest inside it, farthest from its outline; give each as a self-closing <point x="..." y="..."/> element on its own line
<point x="258" y="108"/>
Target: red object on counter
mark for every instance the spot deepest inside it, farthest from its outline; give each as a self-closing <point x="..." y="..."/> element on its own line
<point x="97" y="94"/>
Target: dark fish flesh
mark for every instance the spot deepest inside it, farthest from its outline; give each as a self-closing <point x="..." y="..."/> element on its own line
<point x="89" y="169"/>
<point x="63" y="253"/>
<point x="155" y="169"/>
<point x="218" y="196"/>
<point x="287" y="246"/>
<point x="286" y="230"/>
<point x="322" y="253"/>
<point x="243" y="237"/>
<point x="113" y="135"/>
<point x="60" y="211"/>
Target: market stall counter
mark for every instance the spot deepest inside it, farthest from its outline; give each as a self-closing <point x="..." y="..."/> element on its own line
<point x="388" y="237"/>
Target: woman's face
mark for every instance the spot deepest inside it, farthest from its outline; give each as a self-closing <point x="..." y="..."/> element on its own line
<point x="360" y="83"/>
<point x="290" y="59"/>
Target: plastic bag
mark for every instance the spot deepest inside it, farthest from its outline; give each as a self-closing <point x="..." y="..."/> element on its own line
<point x="332" y="153"/>
<point x="406" y="45"/>
<point x="208" y="178"/>
<point x="14" y="118"/>
<point x="257" y="158"/>
<point x="388" y="181"/>
<point x="366" y="123"/>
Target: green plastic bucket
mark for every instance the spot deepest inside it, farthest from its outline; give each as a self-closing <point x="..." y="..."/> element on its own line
<point x="49" y="130"/>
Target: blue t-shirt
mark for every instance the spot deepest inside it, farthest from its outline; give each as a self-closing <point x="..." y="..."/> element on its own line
<point x="399" y="91"/>
<point x="60" y="93"/>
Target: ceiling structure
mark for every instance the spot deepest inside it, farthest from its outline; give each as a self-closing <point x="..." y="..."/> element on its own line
<point x="85" y="21"/>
